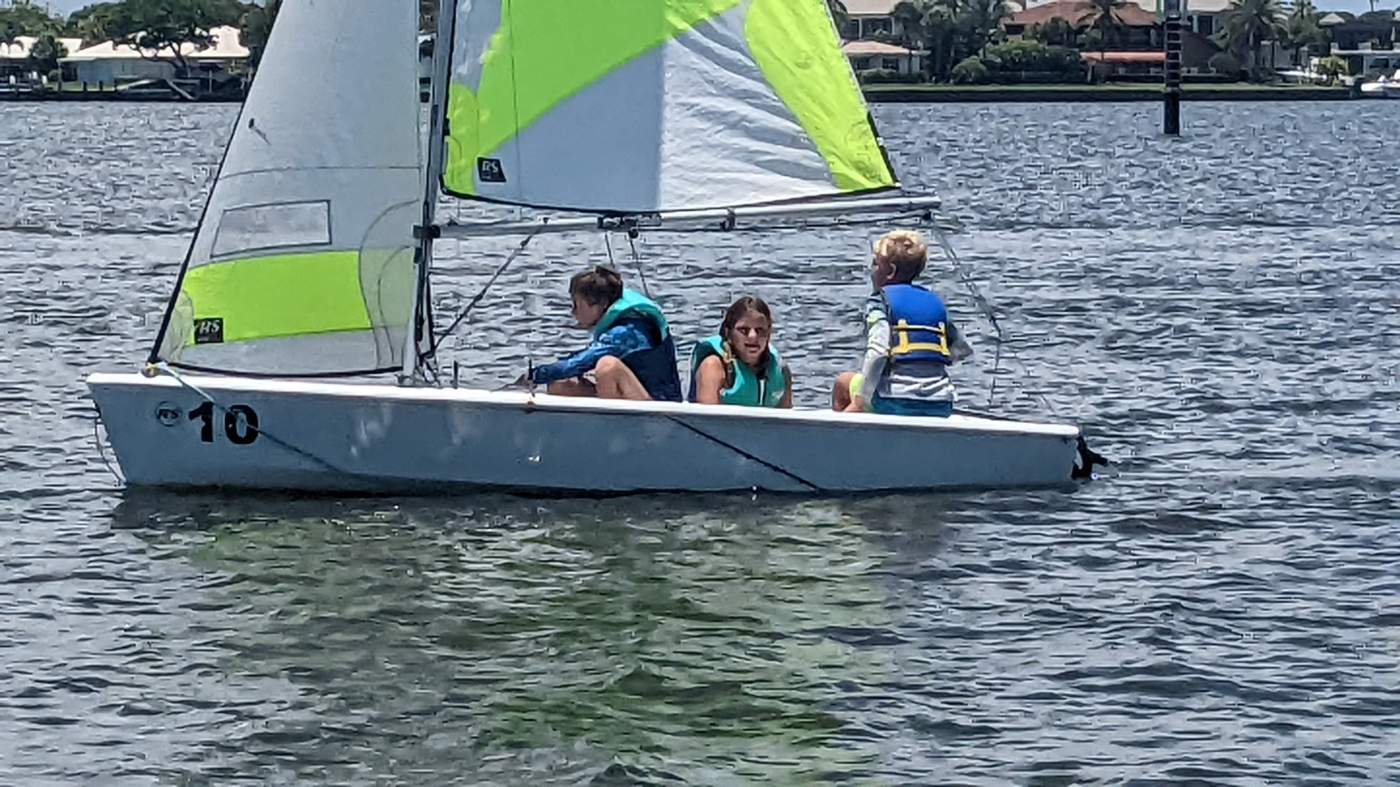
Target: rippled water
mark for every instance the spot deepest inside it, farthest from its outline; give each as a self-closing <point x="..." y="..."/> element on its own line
<point x="1219" y="311"/>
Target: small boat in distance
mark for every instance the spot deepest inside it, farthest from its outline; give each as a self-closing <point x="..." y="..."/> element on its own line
<point x="1384" y="87"/>
<point x="312" y="261"/>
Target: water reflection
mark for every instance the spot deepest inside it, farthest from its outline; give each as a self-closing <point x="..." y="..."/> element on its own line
<point x="662" y="636"/>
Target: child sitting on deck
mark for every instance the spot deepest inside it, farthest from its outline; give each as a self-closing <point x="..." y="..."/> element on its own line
<point x="632" y="354"/>
<point x="910" y="341"/>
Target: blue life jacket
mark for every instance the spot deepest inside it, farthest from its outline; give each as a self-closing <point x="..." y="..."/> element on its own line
<point x="655" y="368"/>
<point x="918" y="324"/>
<point x="748" y="390"/>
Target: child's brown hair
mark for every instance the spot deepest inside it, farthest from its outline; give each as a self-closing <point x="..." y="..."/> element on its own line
<point x="598" y="285"/>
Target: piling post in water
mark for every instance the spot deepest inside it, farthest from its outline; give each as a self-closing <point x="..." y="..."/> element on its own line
<point x="1171" y="68"/>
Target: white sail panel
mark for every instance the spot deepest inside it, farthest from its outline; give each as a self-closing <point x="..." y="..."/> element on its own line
<point x="303" y="261"/>
<point x="650" y="105"/>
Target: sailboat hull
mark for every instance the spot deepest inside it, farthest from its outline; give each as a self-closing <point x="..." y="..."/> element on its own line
<point x="338" y="437"/>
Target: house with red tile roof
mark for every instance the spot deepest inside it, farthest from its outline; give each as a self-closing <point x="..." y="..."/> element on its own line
<point x="1136" y="49"/>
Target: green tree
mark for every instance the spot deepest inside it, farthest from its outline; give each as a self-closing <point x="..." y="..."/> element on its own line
<point x="981" y="22"/>
<point x="161" y="29"/>
<point x="1225" y="64"/>
<point x="45" y="54"/>
<point x="1332" y="68"/>
<point x="839" y="16"/>
<point x="1014" y="57"/>
<point x="1247" y="25"/>
<point x="1301" y="30"/>
<point x="950" y="31"/>
<point x="970" y="71"/>
<point x="942" y="31"/>
<point x="23" y="18"/>
<point x="90" y="22"/>
<point x="1057" y="31"/>
<point x="255" y="28"/>
<point x="1104" y="16"/>
<point x="909" y="26"/>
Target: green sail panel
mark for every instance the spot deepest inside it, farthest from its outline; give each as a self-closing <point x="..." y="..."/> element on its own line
<point x="302" y="264"/>
<point x="648" y="105"/>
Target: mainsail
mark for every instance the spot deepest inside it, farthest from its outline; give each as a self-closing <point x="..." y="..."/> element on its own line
<point x="655" y="105"/>
<point x="303" y="260"/>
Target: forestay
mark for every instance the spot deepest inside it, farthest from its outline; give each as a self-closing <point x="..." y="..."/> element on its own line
<point x="640" y="106"/>
<point x="303" y="260"/>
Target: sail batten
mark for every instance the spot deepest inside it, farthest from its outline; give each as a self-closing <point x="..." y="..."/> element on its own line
<point x="650" y="105"/>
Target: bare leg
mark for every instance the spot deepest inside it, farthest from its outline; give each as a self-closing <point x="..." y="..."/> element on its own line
<point x="841" y="392"/>
<point x="572" y="388"/>
<point x="616" y="381"/>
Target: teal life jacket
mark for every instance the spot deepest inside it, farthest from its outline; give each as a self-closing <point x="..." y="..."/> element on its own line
<point x="632" y="304"/>
<point x="655" y="368"/>
<point x="748" y="390"/>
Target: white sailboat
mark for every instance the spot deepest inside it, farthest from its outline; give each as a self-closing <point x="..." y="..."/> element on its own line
<point x="313" y="259"/>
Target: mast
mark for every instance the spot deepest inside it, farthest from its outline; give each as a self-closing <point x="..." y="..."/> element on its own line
<point x="432" y="175"/>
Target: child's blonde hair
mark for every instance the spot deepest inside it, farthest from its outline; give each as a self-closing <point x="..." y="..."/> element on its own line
<point x="906" y="250"/>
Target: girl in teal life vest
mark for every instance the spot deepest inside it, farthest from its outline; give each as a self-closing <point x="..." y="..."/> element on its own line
<point x="738" y="366"/>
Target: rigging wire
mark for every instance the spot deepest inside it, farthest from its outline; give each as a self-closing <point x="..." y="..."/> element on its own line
<point x="985" y="307"/>
<point x="636" y="258"/>
<point x="431" y="355"/>
<point x="101" y="451"/>
<point x="637" y="261"/>
<point x="262" y="431"/>
<point x="779" y="469"/>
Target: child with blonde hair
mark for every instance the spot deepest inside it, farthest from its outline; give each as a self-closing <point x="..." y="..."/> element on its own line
<point x="910" y="340"/>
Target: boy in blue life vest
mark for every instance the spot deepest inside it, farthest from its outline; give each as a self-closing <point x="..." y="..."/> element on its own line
<point x="910" y="340"/>
<point x="632" y="354"/>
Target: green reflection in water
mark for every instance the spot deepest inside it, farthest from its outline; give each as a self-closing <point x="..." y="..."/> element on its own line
<point x="701" y="639"/>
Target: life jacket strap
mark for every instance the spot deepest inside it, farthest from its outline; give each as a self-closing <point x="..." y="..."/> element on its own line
<point x="905" y="345"/>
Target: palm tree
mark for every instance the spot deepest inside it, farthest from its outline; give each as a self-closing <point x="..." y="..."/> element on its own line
<point x="1106" y="17"/>
<point x="909" y="25"/>
<point x="1248" y="24"/>
<point x="941" y="34"/>
<point x="839" y="16"/>
<point x="256" y="27"/>
<point x="1301" y="30"/>
<point x="981" y="19"/>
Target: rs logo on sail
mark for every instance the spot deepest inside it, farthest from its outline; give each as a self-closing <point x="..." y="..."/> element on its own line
<point x="489" y="170"/>
<point x="209" y="330"/>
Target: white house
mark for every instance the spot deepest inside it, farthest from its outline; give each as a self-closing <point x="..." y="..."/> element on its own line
<point x="111" y="63"/>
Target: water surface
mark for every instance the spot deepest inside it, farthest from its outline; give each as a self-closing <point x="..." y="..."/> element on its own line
<point x="1219" y="311"/>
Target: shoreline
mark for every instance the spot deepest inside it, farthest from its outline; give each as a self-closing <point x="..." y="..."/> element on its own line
<point x="932" y="94"/>
<point x="892" y="93"/>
